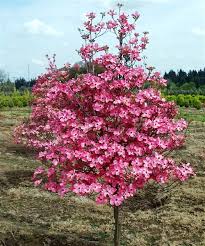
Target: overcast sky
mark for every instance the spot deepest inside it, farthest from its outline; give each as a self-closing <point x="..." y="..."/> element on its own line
<point x="30" y="29"/>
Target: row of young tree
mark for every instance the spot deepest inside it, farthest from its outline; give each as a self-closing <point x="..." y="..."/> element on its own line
<point x="194" y="101"/>
<point x="15" y="99"/>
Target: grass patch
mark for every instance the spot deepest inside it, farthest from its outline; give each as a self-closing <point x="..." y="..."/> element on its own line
<point x="191" y="114"/>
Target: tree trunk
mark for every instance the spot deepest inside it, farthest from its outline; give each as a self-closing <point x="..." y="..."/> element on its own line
<point x="117" y="227"/>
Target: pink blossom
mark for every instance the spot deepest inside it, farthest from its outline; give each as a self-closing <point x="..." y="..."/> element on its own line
<point x="104" y="133"/>
<point x="91" y="15"/>
<point x="136" y="15"/>
<point x="116" y="200"/>
<point x="37" y="182"/>
<point x="112" y="24"/>
<point x="111" y="12"/>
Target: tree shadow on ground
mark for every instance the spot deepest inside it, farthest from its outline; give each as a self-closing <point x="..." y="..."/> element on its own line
<point x="19" y="149"/>
<point x="14" y="178"/>
<point x="151" y="197"/>
<point x="37" y="239"/>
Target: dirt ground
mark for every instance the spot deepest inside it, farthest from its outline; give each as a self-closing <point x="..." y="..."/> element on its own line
<point x="32" y="217"/>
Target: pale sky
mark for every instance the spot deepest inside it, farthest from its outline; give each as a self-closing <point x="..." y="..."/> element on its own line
<point x="30" y="29"/>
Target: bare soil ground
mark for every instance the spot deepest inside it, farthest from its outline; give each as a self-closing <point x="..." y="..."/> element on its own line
<point x="32" y="217"/>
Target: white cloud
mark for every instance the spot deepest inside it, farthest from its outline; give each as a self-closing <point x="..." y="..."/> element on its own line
<point x="38" y="62"/>
<point x="199" y="31"/>
<point x="38" y="27"/>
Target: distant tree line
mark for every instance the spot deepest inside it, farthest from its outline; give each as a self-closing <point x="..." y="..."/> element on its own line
<point x="181" y="82"/>
<point x="20" y="84"/>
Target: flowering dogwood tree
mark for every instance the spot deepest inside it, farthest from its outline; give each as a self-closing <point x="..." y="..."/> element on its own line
<point x="108" y="133"/>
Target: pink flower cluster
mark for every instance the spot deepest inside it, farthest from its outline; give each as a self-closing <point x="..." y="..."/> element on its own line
<point x="104" y="133"/>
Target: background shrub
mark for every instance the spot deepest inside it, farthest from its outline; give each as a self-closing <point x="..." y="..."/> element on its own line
<point x="16" y="99"/>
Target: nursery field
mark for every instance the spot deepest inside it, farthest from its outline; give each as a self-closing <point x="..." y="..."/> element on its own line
<point x="32" y="217"/>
